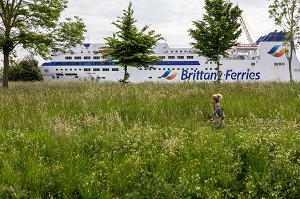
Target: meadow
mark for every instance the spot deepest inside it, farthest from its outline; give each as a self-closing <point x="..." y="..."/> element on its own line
<point x="89" y="140"/>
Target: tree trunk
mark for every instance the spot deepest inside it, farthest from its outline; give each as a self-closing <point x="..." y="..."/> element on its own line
<point x="290" y="62"/>
<point x="5" y="68"/>
<point x="218" y="72"/>
<point x="126" y="75"/>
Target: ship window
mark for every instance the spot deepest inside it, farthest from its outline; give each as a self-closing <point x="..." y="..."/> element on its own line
<point x="162" y="57"/>
<point x="180" y="57"/>
<point x="66" y="69"/>
<point x="77" y="57"/>
<point x="150" y="77"/>
<point x="96" y="69"/>
<point x="190" y="57"/>
<point x="71" y="69"/>
<point x="68" y="57"/>
<point x="103" y="77"/>
<point x="56" y="69"/>
<point x="86" y="69"/>
<point x="80" y="69"/>
<point x="275" y="64"/>
<point x="252" y="64"/>
<point x="105" y="69"/>
<point x="96" y="57"/>
<point x="115" y="69"/>
<point x="75" y="69"/>
<point x="87" y="57"/>
<point x="171" y="57"/>
<point x="46" y="70"/>
<point x="61" y="69"/>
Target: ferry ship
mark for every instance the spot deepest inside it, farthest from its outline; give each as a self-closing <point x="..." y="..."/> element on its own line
<point x="263" y="61"/>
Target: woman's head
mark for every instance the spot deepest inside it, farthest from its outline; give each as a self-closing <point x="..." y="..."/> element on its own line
<point x="216" y="98"/>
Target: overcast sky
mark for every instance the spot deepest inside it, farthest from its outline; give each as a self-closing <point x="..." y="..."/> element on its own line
<point x="171" y="18"/>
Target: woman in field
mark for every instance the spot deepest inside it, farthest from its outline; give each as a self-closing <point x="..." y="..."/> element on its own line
<point x="218" y="113"/>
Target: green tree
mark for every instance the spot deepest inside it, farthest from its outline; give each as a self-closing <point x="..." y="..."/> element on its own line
<point x="35" y="25"/>
<point x="129" y="46"/>
<point x="286" y="14"/>
<point x="25" y="70"/>
<point x="217" y="32"/>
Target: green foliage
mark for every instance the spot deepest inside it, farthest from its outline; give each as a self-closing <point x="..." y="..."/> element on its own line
<point x="218" y="31"/>
<point x="129" y="46"/>
<point x="286" y="13"/>
<point x="25" y="70"/>
<point x="79" y="140"/>
<point x="35" y="25"/>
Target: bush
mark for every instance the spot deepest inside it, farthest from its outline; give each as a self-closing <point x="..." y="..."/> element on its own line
<point x="25" y="70"/>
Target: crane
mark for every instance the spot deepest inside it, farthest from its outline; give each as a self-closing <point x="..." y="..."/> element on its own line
<point x="245" y="29"/>
<point x="244" y="26"/>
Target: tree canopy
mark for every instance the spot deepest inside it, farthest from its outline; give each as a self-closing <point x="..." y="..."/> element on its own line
<point x="286" y="14"/>
<point x="35" y="25"/>
<point x="217" y="31"/>
<point x="129" y="46"/>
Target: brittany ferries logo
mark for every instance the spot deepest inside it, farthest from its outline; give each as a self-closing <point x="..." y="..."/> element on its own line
<point x="274" y="51"/>
<point x="169" y="75"/>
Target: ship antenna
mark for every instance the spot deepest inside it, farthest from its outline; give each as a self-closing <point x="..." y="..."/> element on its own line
<point x="87" y="37"/>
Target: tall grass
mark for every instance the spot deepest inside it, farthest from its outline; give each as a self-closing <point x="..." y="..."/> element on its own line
<point x="88" y="140"/>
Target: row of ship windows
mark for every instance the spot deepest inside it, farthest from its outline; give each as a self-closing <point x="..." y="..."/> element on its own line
<point x="279" y="64"/>
<point x="85" y="69"/>
<point x="117" y="69"/>
<point x="98" y="57"/>
<point x="178" y="57"/>
<point x="178" y="51"/>
<point x="79" y="57"/>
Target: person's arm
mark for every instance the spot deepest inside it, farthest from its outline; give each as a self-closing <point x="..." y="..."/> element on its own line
<point x="220" y="113"/>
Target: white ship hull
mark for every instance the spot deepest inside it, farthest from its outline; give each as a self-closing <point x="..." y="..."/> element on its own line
<point x="265" y="62"/>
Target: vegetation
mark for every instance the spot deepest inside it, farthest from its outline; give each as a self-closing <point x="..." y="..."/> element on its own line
<point x="218" y="31"/>
<point x="25" y="70"/>
<point x="35" y="26"/>
<point x="79" y="140"/>
<point x="286" y="14"/>
<point x="130" y="46"/>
